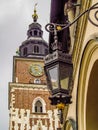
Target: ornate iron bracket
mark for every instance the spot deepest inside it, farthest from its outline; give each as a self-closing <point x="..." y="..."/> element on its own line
<point x="50" y="27"/>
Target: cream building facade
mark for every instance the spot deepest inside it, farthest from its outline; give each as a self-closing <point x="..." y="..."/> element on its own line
<point x="82" y="113"/>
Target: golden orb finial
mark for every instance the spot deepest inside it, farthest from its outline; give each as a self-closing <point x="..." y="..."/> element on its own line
<point x="35" y="16"/>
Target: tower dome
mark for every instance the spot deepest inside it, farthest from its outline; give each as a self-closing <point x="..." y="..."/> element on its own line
<point x="34" y="45"/>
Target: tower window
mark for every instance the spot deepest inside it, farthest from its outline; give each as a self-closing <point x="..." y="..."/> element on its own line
<point x="37" y="81"/>
<point x="39" y="33"/>
<point x="36" y="49"/>
<point x="25" y="51"/>
<point x="46" y="51"/>
<point x="35" y="32"/>
<point x="30" y="33"/>
<point x="38" y="107"/>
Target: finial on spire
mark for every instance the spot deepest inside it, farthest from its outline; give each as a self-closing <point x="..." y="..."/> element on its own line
<point x="35" y="16"/>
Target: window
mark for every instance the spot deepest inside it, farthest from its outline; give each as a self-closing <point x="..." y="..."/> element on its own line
<point x="36" y="49"/>
<point x="39" y="33"/>
<point x="46" y="51"/>
<point x="30" y="33"/>
<point x="25" y="51"/>
<point x="35" y="32"/>
<point x="37" y="81"/>
<point x="38" y="107"/>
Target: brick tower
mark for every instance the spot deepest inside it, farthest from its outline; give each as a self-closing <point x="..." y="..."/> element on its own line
<point x="29" y="106"/>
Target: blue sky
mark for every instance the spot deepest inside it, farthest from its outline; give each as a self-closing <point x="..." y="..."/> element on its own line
<point x="15" y="16"/>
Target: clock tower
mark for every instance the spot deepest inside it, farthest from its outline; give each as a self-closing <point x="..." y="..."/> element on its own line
<point x="29" y="106"/>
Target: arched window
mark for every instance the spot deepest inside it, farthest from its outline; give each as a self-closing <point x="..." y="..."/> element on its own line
<point x="25" y="51"/>
<point x="38" y="107"/>
<point x="36" y="49"/>
<point x="42" y="104"/>
<point x="37" y="81"/>
<point x="35" y="32"/>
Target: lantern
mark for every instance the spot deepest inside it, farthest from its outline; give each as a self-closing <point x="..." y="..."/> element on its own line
<point x="58" y="69"/>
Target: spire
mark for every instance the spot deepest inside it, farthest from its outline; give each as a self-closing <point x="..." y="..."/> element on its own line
<point x="35" y="16"/>
<point x="34" y="45"/>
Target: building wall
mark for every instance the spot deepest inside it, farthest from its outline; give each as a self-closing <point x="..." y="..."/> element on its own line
<point x="22" y="72"/>
<point x="22" y="99"/>
<point x="26" y="89"/>
<point x="85" y="56"/>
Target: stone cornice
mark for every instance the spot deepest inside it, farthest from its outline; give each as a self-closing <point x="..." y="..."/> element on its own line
<point x="26" y="86"/>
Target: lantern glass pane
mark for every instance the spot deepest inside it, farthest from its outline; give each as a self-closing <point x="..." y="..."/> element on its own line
<point x="64" y="76"/>
<point x="53" y="72"/>
<point x="64" y="83"/>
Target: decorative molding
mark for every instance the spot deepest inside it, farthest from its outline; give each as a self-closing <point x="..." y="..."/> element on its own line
<point x="27" y="86"/>
<point x="70" y="124"/>
<point x="43" y="104"/>
<point x="80" y="33"/>
<point x="88" y="59"/>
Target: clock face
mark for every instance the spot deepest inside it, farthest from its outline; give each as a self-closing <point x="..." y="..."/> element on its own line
<point x="36" y="70"/>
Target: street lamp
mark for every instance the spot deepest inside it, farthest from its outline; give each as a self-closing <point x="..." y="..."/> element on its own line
<point x="59" y="67"/>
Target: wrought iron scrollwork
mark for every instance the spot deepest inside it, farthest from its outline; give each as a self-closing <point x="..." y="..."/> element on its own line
<point x="50" y="27"/>
<point x="95" y="14"/>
